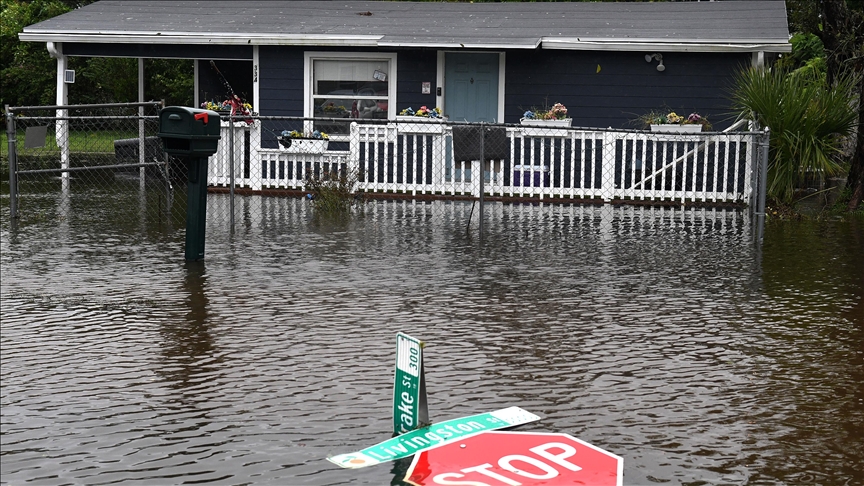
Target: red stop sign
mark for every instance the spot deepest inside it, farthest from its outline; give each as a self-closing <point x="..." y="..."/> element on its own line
<point x="516" y="459"/>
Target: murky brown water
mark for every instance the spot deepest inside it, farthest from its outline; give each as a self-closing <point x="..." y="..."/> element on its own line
<point x="662" y="336"/>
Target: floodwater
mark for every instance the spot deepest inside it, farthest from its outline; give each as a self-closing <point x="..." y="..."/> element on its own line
<point x="662" y="335"/>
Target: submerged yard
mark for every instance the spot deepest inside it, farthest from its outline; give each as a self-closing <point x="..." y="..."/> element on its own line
<point x="660" y="334"/>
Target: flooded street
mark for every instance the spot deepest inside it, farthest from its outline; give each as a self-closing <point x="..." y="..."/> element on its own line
<point x="661" y="335"/>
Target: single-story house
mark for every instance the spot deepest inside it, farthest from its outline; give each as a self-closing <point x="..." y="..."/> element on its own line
<point x="607" y="62"/>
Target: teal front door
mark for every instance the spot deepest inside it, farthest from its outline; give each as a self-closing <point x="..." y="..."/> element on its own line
<point x="471" y="87"/>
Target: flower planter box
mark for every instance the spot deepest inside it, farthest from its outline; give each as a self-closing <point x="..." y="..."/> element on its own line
<point x="420" y="119"/>
<point x="556" y="123"/>
<point x="303" y="145"/>
<point x="690" y="128"/>
<point x="420" y="124"/>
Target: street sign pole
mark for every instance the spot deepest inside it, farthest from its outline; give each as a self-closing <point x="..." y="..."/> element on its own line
<point x="410" y="406"/>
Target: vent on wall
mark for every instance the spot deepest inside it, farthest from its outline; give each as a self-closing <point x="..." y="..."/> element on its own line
<point x="69" y="76"/>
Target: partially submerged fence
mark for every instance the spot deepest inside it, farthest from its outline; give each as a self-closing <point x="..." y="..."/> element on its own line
<point x="429" y="158"/>
<point x="113" y="148"/>
<point x="64" y="152"/>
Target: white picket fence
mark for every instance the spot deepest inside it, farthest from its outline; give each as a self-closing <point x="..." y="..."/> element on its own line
<point x="558" y="164"/>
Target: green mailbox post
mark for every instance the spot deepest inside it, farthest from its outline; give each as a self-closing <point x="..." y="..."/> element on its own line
<point x="192" y="135"/>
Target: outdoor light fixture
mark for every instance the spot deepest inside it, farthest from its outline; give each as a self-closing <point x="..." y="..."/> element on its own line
<point x="656" y="57"/>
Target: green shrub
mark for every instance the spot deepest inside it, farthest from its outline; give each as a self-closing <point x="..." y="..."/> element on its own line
<point x="333" y="193"/>
<point x="808" y="121"/>
<point x="806" y="48"/>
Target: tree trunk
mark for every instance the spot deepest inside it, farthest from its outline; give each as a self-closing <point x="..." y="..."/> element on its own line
<point x="835" y="17"/>
<point x="855" y="181"/>
<point x="843" y="36"/>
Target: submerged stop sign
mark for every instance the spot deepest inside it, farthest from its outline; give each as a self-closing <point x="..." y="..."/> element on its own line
<point x="516" y="459"/>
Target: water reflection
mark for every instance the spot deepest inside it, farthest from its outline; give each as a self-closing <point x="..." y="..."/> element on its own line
<point x="188" y="349"/>
<point x="399" y="470"/>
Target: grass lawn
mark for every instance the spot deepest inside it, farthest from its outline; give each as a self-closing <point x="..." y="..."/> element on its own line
<point x="91" y="145"/>
<point x="93" y="141"/>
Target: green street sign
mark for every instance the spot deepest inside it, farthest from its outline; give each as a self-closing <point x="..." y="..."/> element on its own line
<point x="410" y="407"/>
<point x="433" y="436"/>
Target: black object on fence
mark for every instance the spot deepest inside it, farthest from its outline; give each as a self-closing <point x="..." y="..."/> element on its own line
<point x="476" y="142"/>
<point x="482" y="143"/>
<point x="128" y="149"/>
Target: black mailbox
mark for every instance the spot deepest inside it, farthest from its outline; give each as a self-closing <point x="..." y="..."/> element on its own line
<point x="192" y="135"/>
<point x="189" y="131"/>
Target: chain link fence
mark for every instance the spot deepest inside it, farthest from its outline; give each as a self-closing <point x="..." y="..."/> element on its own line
<point x="87" y="161"/>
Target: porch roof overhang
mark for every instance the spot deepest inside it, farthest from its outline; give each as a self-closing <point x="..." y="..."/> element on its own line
<point x="413" y="42"/>
<point x="722" y="26"/>
<point x="695" y="45"/>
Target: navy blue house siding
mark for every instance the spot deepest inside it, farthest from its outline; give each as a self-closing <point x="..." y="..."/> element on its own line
<point x="612" y="89"/>
<point x="600" y="88"/>
<point x="281" y="77"/>
<point x="281" y="81"/>
<point x="415" y="68"/>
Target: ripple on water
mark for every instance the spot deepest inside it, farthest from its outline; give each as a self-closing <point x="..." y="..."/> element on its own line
<point x="660" y="335"/>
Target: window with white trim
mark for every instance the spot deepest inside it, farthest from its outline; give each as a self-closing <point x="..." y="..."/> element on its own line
<point x="350" y="86"/>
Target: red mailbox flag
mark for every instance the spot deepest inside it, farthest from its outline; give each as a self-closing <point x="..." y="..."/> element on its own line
<point x="204" y="115"/>
<point x="516" y="459"/>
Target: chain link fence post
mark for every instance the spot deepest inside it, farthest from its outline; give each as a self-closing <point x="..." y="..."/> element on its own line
<point x="607" y="173"/>
<point x="231" y="173"/>
<point x="12" y="141"/>
<point x="762" y="187"/>
<point x="482" y="176"/>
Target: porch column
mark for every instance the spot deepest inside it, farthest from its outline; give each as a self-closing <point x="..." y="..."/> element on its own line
<point x="142" y="155"/>
<point x="758" y="60"/>
<point x="61" y="129"/>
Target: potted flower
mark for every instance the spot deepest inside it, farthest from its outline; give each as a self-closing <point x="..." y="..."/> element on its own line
<point x="293" y="141"/>
<point x="422" y="114"/>
<point x="423" y="121"/>
<point x="672" y="122"/>
<point x="234" y="105"/>
<point x="552" y="117"/>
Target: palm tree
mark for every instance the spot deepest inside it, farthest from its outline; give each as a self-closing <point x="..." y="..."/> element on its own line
<point x="808" y="121"/>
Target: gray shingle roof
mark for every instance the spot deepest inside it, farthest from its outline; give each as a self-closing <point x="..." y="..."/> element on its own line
<point x="698" y="26"/>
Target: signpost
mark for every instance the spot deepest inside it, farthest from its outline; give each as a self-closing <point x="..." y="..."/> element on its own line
<point x="433" y="436"/>
<point x="468" y="451"/>
<point x="410" y="407"/>
<point x="516" y="459"/>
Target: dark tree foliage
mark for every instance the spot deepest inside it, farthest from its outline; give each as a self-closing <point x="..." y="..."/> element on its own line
<point x="842" y="33"/>
<point x="28" y="73"/>
<point x="171" y="80"/>
<point x="839" y="24"/>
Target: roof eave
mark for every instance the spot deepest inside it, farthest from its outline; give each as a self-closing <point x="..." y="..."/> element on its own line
<point x="378" y="41"/>
<point x="665" y="46"/>
<point x="204" y="39"/>
<point x="461" y="45"/>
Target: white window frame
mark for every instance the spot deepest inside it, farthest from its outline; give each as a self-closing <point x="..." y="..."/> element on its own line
<point x="309" y="89"/>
